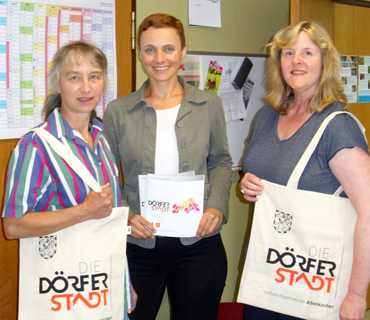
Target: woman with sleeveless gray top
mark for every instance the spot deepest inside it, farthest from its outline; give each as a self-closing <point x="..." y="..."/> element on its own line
<point x="304" y="87"/>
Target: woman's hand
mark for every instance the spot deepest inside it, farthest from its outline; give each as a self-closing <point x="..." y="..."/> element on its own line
<point x="211" y="222"/>
<point x="353" y="307"/>
<point x="251" y="186"/>
<point x="140" y="227"/>
<point x="134" y="298"/>
<point x="98" y="205"/>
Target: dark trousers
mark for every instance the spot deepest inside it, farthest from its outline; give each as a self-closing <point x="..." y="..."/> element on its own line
<point x="194" y="276"/>
<point x="254" y="313"/>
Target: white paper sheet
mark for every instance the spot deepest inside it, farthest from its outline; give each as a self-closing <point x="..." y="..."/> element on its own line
<point x="205" y="13"/>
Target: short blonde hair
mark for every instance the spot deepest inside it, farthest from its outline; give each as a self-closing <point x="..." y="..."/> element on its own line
<point x="71" y="53"/>
<point x="330" y="88"/>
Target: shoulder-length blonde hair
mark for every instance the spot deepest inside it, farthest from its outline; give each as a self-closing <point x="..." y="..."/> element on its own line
<point x="330" y="88"/>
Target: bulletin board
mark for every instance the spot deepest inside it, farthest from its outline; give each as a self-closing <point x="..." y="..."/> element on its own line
<point x="239" y="79"/>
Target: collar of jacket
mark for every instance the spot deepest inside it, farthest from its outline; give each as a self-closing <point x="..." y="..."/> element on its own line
<point x="59" y="127"/>
<point x="192" y="96"/>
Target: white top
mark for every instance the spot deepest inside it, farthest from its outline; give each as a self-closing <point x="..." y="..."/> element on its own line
<point x="166" y="151"/>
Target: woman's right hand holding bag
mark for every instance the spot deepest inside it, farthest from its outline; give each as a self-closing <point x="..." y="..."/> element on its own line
<point x="251" y="187"/>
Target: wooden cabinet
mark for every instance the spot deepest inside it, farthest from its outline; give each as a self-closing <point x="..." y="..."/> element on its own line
<point x="8" y="250"/>
<point x="318" y="10"/>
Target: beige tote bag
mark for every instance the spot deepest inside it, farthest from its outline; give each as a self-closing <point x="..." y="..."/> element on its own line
<point x="300" y="251"/>
<point x="76" y="273"/>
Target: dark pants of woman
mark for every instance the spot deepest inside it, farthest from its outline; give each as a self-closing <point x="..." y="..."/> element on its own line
<point x="194" y="276"/>
<point x="254" y="313"/>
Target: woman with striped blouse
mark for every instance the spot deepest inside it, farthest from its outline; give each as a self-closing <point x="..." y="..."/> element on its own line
<point x="43" y="194"/>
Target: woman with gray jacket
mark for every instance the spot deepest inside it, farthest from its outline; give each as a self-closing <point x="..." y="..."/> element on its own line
<point x="168" y="127"/>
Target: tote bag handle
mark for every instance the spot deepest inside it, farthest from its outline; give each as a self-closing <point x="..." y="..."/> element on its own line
<point x="66" y="153"/>
<point x="302" y="162"/>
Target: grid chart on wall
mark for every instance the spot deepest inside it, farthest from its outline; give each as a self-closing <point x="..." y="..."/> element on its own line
<point x="30" y="34"/>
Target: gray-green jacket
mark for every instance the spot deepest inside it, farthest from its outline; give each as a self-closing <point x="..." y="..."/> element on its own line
<point x="130" y="127"/>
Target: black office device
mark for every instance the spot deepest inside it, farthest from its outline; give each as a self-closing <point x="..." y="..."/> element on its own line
<point x="243" y="73"/>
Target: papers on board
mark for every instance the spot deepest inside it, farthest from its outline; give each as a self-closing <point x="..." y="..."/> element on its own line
<point x="239" y="81"/>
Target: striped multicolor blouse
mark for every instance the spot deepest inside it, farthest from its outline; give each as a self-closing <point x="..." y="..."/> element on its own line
<point x="39" y="180"/>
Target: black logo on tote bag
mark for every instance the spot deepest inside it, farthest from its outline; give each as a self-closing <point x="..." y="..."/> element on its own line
<point x="283" y="221"/>
<point x="48" y="246"/>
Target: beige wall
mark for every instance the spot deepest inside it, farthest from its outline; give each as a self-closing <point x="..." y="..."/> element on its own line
<point x="246" y="27"/>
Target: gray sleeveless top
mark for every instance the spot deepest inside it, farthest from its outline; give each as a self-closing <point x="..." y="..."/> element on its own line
<point x="273" y="159"/>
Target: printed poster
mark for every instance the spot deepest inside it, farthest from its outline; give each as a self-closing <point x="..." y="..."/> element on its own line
<point x="363" y="79"/>
<point x="214" y="75"/>
<point x="349" y="77"/>
<point x="190" y="70"/>
<point x="30" y="34"/>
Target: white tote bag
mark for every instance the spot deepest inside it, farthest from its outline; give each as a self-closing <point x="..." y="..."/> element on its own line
<point x="300" y="251"/>
<point x="76" y="273"/>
